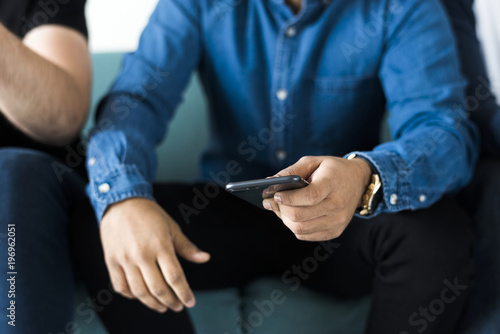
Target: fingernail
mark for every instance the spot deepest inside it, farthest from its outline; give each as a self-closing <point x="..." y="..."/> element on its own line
<point x="162" y="310"/>
<point x="190" y="303"/>
<point x="277" y="198"/>
<point x="267" y="205"/>
<point x="201" y="255"/>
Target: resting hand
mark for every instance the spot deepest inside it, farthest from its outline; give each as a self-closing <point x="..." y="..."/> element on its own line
<point x="141" y="243"/>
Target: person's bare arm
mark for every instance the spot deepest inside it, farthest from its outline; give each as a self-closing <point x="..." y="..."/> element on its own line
<point x="45" y="82"/>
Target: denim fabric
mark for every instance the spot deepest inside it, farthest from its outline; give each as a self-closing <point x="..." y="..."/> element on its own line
<point x="35" y="209"/>
<point x="281" y="86"/>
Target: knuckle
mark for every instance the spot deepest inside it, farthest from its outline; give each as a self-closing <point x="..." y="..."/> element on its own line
<point x="312" y="196"/>
<point x="335" y="235"/>
<point x="302" y="237"/>
<point x="343" y="218"/>
<point x="298" y="229"/>
<point x="346" y="219"/>
<point x="120" y="288"/>
<point x="162" y="249"/>
<point x="295" y="215"/>
<point x="140" y="293"/>
<point x="174" y="278"/>
<point x="159" y="291"/>
<point x="111" y="260"/>
<point x="139" y="256"/>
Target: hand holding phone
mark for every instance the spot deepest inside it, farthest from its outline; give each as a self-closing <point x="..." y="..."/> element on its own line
<point x="255" y="191"/>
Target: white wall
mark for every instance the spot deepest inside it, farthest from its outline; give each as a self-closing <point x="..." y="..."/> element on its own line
<point x="116" y="25"/>
<point x="488" y="29"/>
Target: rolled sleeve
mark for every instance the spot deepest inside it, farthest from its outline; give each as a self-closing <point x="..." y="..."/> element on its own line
<point x="132" y="120"/>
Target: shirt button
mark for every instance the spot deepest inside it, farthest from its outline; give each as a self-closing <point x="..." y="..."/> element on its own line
<point x="92" y="162"/>
<point x="291" y="31"/>
<point x="104" y="188"/>
<point x="281" y="155"/>
<point x="394" y="199"/>
<point x="282" y="94"/>
<point x="352" y="156"/>
<point x="422" y="198"/>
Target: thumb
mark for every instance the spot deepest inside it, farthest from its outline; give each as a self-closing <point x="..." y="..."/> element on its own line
<point x="303" y="168"/>
<point x="187" y="250"/>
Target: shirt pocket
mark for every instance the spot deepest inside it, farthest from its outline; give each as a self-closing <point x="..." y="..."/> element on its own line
<point x="342" y="112"/>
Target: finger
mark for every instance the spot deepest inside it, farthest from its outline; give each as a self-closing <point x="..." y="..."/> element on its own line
<point x="175" y="278"/>
<point x="119" y="281"/>
<point x="320" y="229"/>
<point x="299" y="214"/>
<point x="307" y="228"/>
<point x="316" y="237"/>
<point x="311" y="195"/>
<point x="271" y="205"/>
<point x="186" y="249"/>
<point x="140" y="290"/>
<point x="304" y="167"/>
<point x="159" y="289"/>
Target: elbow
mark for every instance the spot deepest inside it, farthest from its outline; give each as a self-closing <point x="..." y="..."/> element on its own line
<point x="63" y="131"/>
<point x="65" y="135"/>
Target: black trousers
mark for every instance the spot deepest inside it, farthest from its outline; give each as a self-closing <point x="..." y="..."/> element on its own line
<point x="481" y="200"/>
<point x="417" y="265"/>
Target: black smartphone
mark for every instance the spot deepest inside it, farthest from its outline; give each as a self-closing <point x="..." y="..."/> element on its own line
<point x="255" y="191"/>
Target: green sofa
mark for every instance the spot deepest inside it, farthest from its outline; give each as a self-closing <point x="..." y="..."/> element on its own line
<point x="229" y="311"/>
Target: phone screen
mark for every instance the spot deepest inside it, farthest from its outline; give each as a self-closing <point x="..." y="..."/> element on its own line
<point x="254" y="191"/>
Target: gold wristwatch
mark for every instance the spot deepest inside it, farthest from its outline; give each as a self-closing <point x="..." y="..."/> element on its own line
<point x="372" y="194"/>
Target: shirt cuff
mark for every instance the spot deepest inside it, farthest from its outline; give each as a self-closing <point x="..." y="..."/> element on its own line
<point x="397" y="191"/>
<point x="119" y="184"/>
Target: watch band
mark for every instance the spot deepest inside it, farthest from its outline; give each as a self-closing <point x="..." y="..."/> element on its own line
<point x="370" y="197"/>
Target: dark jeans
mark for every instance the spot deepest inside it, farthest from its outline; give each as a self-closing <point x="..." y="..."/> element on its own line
<point x="417" y="265"/>
<point x="482" y="200"/>
<point x="35" y="208"/>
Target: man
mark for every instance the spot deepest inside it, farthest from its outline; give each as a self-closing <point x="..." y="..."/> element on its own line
<point x="292" y="80"/>
<point x="44" y="98"/>
<point x="481" y="197"/>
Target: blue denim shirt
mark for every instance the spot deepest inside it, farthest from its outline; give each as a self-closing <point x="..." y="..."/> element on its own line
<point x="281" y="86"/>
